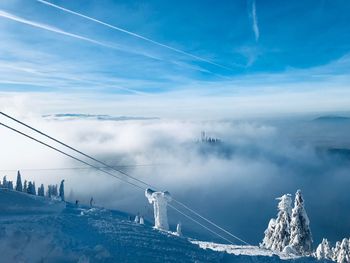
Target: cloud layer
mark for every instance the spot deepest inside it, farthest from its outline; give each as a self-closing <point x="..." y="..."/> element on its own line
<point x="234" y="183"/>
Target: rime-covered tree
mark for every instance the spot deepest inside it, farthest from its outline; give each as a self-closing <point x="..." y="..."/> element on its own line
<point x="324" y="251"/>
<point x="267" y="241"/>
<point x="335" y="250"/>
<point x="344" y="252"/>
<point x="10" y="185"/>
<point x="62" y="190"/>
<point x="25" y="186"/>
<point x="179" y="230"/>
<point x="19" y="186"/>
<point x="301" y="237"/>
<point x="281" y="234"/>
<point x="41" y="190"/>
<point x="4" y="182"/>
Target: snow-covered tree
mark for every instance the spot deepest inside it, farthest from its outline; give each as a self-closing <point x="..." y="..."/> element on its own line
<point x="344" y="252"/>
<point x="267" y="241"/>
<point x="25" y="186"/>
<point x="301" y="237"/>
<point x="142" y="221"/>
<point x="335" y="251"/>
<point x="324" y="251"/>
<point x="160" y="202"/>
<point x="19" y="186"/>
<point x="41" y="190"/>
<point x="62" y="190"/>
<point x="30" y="189"/>
<point x="137" y="219"/>
<point x="281" y="234"/>
<point x="4" y="182"/>
<point x="34" y="189"/>
<point x="10" y="185"/>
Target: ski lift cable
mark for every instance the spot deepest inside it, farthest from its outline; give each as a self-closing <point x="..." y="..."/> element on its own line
<point x="110" y="167"/>
<point x="98" y="168"/>
<point x="68" y="155"/>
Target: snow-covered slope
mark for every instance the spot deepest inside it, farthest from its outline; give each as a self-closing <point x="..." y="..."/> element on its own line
<point x="36" y="229"/>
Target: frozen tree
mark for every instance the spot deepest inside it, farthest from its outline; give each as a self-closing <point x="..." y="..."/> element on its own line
<point x="344" y="253"/>
<point x="19" y="186"/>
<point x="25" y="186"/>
<point x="62" y="190"/>
<point x="267" y="241"/>
<point x="142" y="221"/>
<point x="160" y="201"/>
<point x="4" y="182"/>
<point x="300" y="238"/>
<point x="179" y="229"/>
<point x="324" y="251"/>
<point x="41" y="190"/>
<point x="10" y="185"/>
<point x="31" y="188"/>
<point x="281" y="234"/>
<point x="137" y="219"/>
<point x="335" y="251"/>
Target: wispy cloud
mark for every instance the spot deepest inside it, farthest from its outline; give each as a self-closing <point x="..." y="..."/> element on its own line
<point x="254" y="20"/>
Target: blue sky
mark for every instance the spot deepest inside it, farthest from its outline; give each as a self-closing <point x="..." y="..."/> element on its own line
<point x="224" y="49"/>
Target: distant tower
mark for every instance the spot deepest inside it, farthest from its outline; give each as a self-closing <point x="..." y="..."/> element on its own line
<point x="203" y="136"/>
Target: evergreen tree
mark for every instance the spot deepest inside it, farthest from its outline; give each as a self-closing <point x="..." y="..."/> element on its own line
<point x="267" y="241"/>
<point x="301" y="238"/>
<point x="25" y="186"/>
<point x="10" y="185"/>
<point x="344" y="253"/>
<point x="49" y="191"/>
<point x="281" y="234"/>
<point x="335" y="251"/>
<point x="19" y="186"/>
<point x="62" y="190"/>
<point x="4" y="182"/>
<point x="31" y="189"/>
<point x="41" y="190"/>
<point x="324" y="251"/>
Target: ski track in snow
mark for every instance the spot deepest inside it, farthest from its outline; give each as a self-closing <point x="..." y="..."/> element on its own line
<point x="36" y="229"/>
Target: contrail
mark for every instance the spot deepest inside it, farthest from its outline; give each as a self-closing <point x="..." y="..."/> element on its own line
<point x="133" y="34"/>
<point x="50" y="28"/>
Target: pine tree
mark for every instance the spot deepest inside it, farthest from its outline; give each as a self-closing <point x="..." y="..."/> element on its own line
<point x="335" y="251"/>
<point x="19" y="186"/>
<point x="281" y="235"/>
<point x="344" y="253"/>
<point x="301" y="238"/>
<point x="34" y="189"/>
<point x="41" y="190"/>
<point x="62" y="190"/>
<point x="324" y="251"/>
<point x="25" y="186"/>
<point x="49" y="191"/>
<point x="10" y="185"/>
<point x="4" y="182"/>
<point x="267" y="241"/>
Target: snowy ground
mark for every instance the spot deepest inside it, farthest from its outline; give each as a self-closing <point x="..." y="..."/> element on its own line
<point x="36" y="229"/>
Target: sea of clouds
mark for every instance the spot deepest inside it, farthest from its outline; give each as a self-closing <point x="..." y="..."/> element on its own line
<point x="234" y="183"/>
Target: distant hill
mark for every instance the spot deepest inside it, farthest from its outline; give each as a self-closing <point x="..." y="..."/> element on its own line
<point x="332" y="118"/>
<point x="100" y="117"/>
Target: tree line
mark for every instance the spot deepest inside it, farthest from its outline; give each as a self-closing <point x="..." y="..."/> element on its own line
<point x="53" y="191"/>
